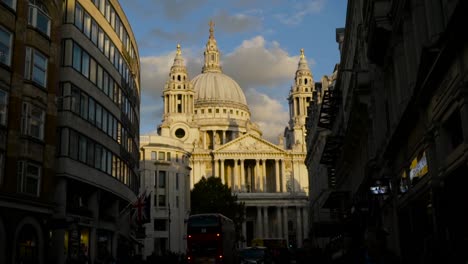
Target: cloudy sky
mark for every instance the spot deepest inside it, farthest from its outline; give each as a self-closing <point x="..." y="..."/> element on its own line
<point x="259" y="42"/>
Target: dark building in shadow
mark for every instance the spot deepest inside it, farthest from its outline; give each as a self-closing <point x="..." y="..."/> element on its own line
<point x="397" y="123"/>
<point x="69" y="130"/>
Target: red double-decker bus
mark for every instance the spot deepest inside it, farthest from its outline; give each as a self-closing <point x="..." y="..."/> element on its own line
<point x="210" y="239"/>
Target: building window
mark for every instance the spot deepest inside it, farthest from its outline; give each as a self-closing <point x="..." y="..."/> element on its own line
<point x="162" y="155"/>
<point x="161" y="200"/>
<point x="177" y="181"/>
<point x="79" y="17"/>
<point x="3" y="107"/>
<point x="10" y="3"/>
<point x="153" y="155"/>
<point x="168" y="156"/>
<point x="38" y="16"/>
<point x="92" y="111"/>
<point x="32" y="121"/>
<point x="29" y="175"/>
<point x="84" y="106"/>
<point x="82" y="149"/>
<point x="36" y="67"/>
<point x="162" y="179"/>
<point x="6" y="43"/>
<point x="160" y="225"/>
<point x="87" y="25"/>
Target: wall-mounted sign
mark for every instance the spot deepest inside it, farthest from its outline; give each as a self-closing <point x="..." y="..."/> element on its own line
<point x="418" y="167"/>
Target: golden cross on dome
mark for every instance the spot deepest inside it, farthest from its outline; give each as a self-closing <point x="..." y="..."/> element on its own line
<point x="178" y="49"/>
<point x="302" y="53"/>
<point x="211" y="29"/>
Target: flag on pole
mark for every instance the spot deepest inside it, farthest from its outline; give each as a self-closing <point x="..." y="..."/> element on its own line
<point x="142" y="209"/>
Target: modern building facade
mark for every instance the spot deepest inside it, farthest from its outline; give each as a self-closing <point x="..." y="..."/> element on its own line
<point x="70" y="129"/>
<point x="209" y="116"/>
<point x="398" y="135"/>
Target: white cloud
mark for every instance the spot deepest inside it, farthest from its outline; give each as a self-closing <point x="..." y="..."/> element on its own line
<point x="257" y="62"/>
<point x="154" y="72"/>
<point x="300" y="10"/>
<point x="268" y="113"/>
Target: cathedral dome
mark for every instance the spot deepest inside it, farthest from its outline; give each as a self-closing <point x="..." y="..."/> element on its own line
<point x="217" y="87"/>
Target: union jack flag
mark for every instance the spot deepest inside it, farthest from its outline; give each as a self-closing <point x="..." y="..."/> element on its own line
<point x="142" y="209"/>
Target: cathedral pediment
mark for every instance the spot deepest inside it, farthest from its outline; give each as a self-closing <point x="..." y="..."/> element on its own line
<point x="249" y="143"/>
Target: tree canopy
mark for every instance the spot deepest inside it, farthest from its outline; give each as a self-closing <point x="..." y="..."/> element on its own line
<point x="212" y="196"/>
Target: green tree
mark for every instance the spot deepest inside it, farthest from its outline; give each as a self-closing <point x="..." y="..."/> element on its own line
<point x="212" y="196"/>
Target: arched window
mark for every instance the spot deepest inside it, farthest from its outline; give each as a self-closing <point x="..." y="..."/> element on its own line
<point x="305" y="81"/>
<point x="178" y="77"/>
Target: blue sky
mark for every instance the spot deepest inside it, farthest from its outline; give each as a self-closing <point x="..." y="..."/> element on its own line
<point x="259" y="42"/>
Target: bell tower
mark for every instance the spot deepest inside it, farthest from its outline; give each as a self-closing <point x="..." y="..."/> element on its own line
<point x="178" y="97"/>
<point x="299" y="98"/>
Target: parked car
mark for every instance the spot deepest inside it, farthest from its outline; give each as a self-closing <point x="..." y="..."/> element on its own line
<point x="255" y="255"/>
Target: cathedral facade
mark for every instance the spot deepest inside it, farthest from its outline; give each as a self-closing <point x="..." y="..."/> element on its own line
<point x="210" y="117"/>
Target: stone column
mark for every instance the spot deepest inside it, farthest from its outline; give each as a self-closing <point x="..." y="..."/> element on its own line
<point x="224" y="137"/>
<point x="242" y="175"/>
<point x="299" y="226"/>
<point x="169" y="103"/>
<point x="264" y="177"/>
<point x="277" y="176"/>
<point x="204" y="139"/>
<point x="279" y="224"/>
<point x="305" y="221"/>
<point x="283" y="177"/>
<point x="214" y="138"/>
<point x="256" y="176"/>
<point x="221" y="173"/>
<point x="174" y="102"/>
<point x="215" y="169"/>
<point x="266" y="232"/>
<point x="259" y="223"/>
<point x="285" y="223"/>
<point x="235" y="176"/>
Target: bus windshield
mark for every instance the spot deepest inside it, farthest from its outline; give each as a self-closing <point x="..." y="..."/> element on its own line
<point x="204" y="221"/>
